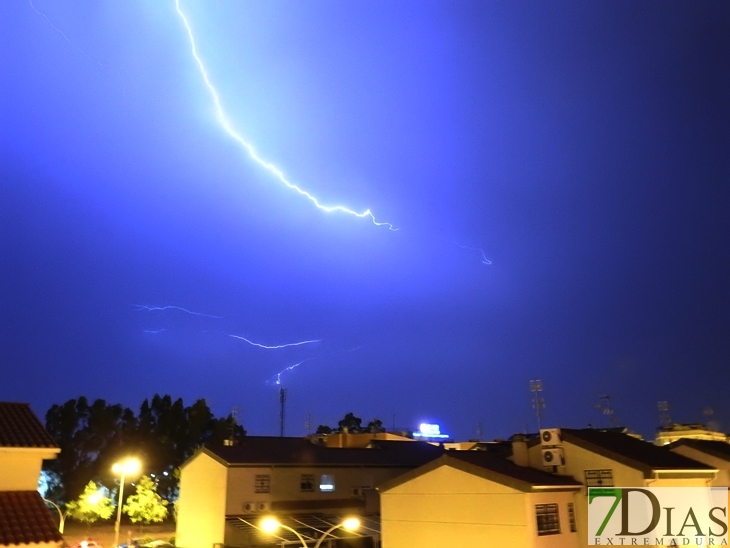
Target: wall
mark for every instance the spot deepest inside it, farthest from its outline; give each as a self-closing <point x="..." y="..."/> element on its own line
<point x="20" y="469"/>
<point x="448" y="507"/>
<point x="566" y="538"/>
<point x="723" y="476"/>
<point x="286" y="483"/>
<point x="202" y="504"/>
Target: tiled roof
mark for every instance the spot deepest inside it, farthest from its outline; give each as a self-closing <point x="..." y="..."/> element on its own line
<point x="497" y="469"/>
<point x="719" y="449"/>
<point x="25" y="519"/>
<point x="19" y="427"/>
<point x="262" y="450"/>
<point x="509" y="469"/>
<point x="630" y="450"/>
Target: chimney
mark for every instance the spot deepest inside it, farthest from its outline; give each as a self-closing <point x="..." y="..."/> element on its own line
<point x="520" y="456"/>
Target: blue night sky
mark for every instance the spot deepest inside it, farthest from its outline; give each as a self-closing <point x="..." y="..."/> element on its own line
<point x="582" y="147"/>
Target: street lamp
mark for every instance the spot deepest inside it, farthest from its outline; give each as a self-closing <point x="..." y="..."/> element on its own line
<point x="270" y="525"/>
<point x="93" y="498"/>
<point x="123" y="468"/>
<point x="61" y="515"/>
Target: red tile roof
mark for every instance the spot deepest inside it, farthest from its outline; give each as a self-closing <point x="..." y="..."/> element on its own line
<point x="25" y="519"/>
<point x="19" y="427"/>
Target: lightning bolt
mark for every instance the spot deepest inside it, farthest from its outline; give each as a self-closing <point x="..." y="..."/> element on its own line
<point x="481" y="251"/>
<point x="248" y="147"/>
<point x="70" y="43"/>
<point x="276" y="379"/>
<point x="275" y="346"/>
<point x="154" y="331"/>
<point x="155" y="308"/>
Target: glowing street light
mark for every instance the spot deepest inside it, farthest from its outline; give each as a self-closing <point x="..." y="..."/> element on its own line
<point x="124" y="468"/>
<point x="93" y="498"/>
<point x="270" y="525"/>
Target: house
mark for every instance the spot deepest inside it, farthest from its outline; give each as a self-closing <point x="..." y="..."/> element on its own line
<point x="712" y="453"/>
<point x="225" y="491"/>
<point x="474" y="498"/>
<point x="668" y="434"/>
<point x="24" y="444"/>
<point x="610" y="458"/>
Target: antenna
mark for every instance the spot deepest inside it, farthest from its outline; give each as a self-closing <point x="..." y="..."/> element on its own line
<point x="308" y="423"/>
<point x="605" y="410"/>
<point x="538" y="403"/>
<point x="282" y="413"/>
<point x="479" y="431"/>
<point x="663" y="407"/>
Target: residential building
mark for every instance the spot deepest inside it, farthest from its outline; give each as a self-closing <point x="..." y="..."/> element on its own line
<point x="668" y="434"/>
<point x="611" y="458"/>
<point x="226" y="490"/>
<point x="24" y="444"/>
<point x="712" y="453"/>
<point x="473" y="498"/>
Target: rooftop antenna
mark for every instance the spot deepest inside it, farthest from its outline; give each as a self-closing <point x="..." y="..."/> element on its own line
<point x="282" y="413"/>
<point x="604" y="409"/>
<point x="538" y="403"/>
<point x="308" y="423"/>
<point x="479" y="431"/>
<point x="663" y="407"/>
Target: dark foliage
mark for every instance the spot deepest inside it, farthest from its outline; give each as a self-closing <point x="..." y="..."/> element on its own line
<point x="163" y="435"/>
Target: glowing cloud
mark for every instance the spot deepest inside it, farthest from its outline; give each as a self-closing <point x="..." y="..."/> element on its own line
<point x="274" y="347"/>
<point x="248" y="147"/>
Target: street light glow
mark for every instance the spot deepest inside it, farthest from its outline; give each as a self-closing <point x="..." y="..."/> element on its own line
<point x="127" y="467"/>
<point x="351" y="524"/>
<point x="270" y="525"/>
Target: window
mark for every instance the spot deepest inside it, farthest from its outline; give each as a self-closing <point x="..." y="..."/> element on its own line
<point x="571" y="517"/>
<point x="262" y="483"/>
<point x="326" y="482"/>
<point x="599" y="478"/>
<point x="307" y="483"/>
<point x="548" y="520"/>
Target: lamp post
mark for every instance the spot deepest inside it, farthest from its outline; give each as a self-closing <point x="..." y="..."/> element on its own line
<point x="61" y="515"/>
<point x="270" y="524"/>
<point x="123" y="468"/>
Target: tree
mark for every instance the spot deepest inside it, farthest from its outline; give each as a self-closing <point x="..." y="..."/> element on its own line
<point x="146" y="506"/>
<point x="375" y="426"/>
<point x="92" y="505"/>
<point x="350" y="423"/>
<point x="323" y="429"/>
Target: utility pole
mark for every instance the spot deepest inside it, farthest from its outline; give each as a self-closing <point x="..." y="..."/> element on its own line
<point x="282" y="413"/>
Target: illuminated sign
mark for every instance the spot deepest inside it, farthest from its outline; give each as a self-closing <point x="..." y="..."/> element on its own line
<point x="431" y="431"/>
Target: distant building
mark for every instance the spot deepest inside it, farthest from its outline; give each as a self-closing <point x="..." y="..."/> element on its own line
<point x="668" y="434"/>
<point x="24" y="444"/>
<point x="225" y="491"/>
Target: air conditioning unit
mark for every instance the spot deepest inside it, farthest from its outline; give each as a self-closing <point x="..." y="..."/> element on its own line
<point x="262" y="507"/>
<point x="553" y="457"/>
<point x="249" y="507"/>
<point x="550" y="437"/>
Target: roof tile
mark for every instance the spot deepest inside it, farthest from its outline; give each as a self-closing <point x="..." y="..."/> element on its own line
<point x="19" y="427"/>
<point x="25" y="519"/>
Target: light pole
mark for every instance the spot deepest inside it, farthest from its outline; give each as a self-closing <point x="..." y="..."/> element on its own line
<point x="61" y="515"/>
<point x="270" y="525"/>
<point x="349" y="524"/>
<point x="123" y="468"/>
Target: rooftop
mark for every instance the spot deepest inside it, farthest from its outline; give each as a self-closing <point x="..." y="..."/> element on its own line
<point x="19" y="427"/>
<point x="719" y="449"/>
<point x="631" y="451"/>
<point x="25" y="519"/>
<point x="264" y="450"/>
<point x="493" y="468"/>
